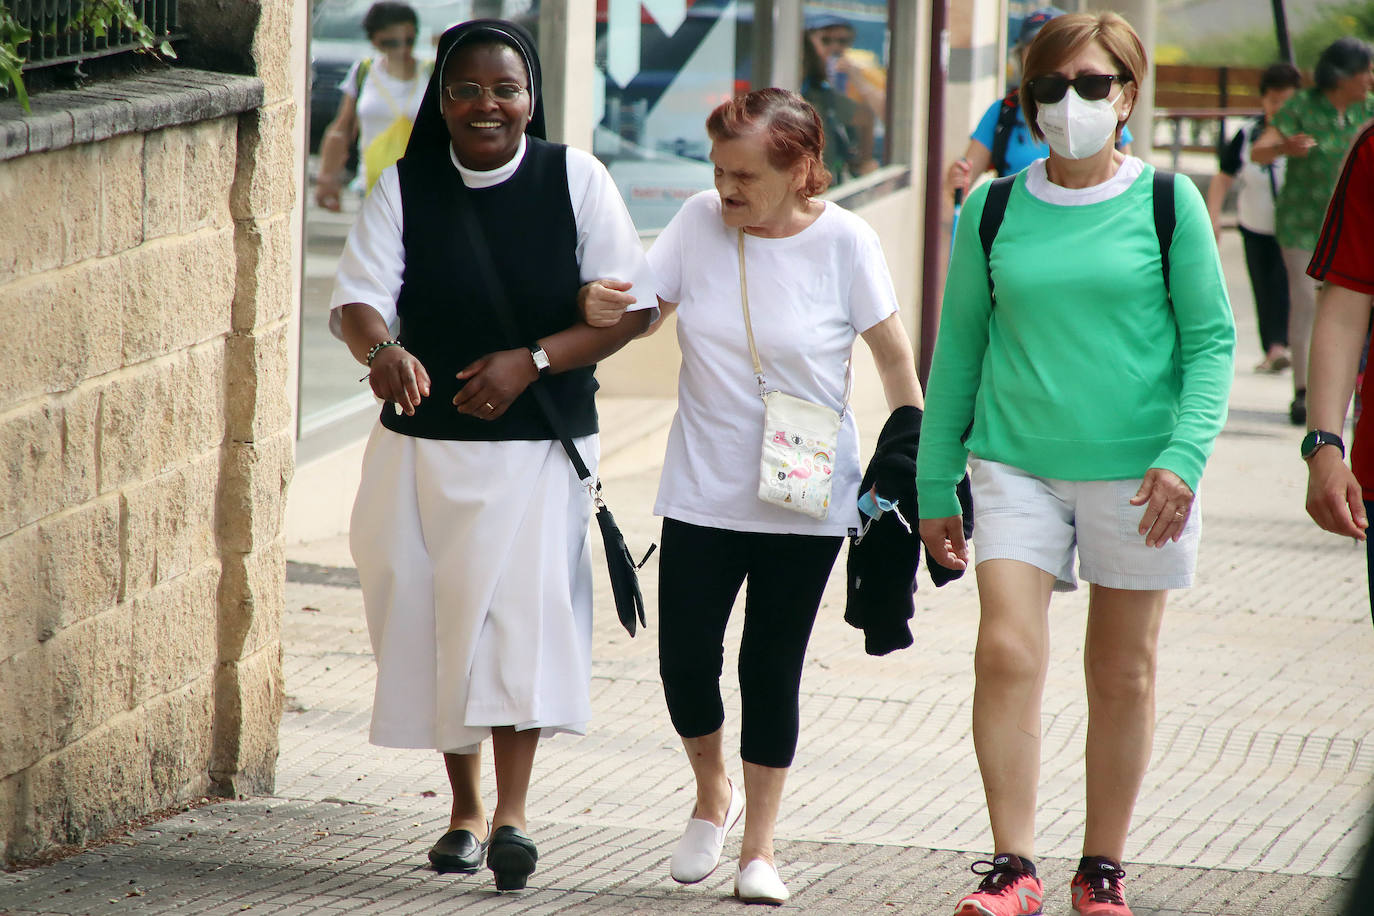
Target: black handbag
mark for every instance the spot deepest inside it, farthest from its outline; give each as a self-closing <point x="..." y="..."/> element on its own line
<point x="620" y="565"/>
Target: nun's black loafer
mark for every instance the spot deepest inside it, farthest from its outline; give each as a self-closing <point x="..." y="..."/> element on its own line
<point x="458" y="850"/>
<point x="511" y="856"/>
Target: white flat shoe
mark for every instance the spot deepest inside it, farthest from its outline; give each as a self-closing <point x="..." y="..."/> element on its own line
<point x="758" y="882"/>
<point x="698" y="852"/>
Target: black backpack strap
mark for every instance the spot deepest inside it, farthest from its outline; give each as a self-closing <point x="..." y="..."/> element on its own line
<point x="994" y="208"/>
<point x="1001" y="131"/>
<point x="1164" y="220"/>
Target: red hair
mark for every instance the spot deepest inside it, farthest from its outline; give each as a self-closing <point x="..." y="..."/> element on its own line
<point x="791" y="129"/>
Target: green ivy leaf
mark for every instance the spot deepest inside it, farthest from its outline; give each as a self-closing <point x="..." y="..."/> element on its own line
<point x="9" y="72"/>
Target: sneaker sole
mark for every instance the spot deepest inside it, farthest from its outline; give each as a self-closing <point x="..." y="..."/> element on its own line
<point x="976" y="909"/>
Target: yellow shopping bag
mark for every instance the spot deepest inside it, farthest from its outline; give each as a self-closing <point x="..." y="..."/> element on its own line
<point x="385" y="149"/>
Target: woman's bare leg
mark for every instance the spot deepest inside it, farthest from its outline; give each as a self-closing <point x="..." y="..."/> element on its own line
<point x="1119" y="661"/>
<point x="707" y="756"/>
<point x="1010" y="664"/>
<point x="762" y="799"/>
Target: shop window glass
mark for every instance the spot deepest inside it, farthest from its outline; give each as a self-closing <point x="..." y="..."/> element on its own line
<point x="845" y="58"/>
<point x="663" y="65"/>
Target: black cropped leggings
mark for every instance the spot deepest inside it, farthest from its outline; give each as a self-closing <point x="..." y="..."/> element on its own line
<point x="700" y="573"/>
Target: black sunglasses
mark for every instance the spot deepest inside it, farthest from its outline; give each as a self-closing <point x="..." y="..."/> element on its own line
<point x="389" y="43"/>
<point x="1091" y="87"/>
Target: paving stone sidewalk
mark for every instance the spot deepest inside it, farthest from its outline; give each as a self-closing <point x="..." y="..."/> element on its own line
<point x="1256" y="801"/>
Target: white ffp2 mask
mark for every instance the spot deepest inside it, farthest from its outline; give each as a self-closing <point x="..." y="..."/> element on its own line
<point x="1076" y="129"/>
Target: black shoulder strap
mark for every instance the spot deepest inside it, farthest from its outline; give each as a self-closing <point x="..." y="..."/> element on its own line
<point x="1164" y="220"/>
<point x="994" y="208"/>
<point x="1001" y="131"/>
<point x="481" y="257"/>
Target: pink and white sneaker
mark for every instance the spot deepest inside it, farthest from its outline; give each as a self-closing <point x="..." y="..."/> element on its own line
<point x="1009" y="888"/>
<point x="1096" y="888"/>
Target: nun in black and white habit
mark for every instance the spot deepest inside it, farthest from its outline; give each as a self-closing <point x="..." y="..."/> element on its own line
<point x="470" y="529"/>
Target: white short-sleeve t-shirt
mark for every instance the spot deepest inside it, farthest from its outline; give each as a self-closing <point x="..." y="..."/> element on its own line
<point x="809" y="295"/>
<point x="384" y="97"/>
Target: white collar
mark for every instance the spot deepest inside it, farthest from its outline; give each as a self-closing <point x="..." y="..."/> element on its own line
<point x="492" y="177"/>
<point x="1039" y="185"/>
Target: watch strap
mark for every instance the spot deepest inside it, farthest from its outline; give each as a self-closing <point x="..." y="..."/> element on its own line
<point x="1315" y="439"/>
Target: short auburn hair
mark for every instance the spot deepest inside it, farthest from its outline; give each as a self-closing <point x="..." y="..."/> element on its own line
<point x="791" y="128"/>
<point x="1060" y="39"/>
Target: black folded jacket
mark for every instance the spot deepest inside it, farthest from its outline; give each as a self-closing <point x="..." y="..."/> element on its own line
<point x="882" y="564"/>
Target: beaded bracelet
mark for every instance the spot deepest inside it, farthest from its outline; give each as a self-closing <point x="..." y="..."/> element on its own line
<point x="379" y="347"/>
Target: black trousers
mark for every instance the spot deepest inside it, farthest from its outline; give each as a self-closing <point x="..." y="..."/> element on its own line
<point x="700" y="573"/>
<point x="1269" y="282"/>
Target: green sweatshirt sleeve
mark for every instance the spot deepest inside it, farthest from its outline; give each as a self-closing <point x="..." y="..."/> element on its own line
<point x="1207" y="336"/>
<point x="956" y="368"/>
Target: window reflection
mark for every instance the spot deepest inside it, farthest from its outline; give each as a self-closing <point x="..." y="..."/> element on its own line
<point x="845" y="50"/>
<point x="662" y="66"/>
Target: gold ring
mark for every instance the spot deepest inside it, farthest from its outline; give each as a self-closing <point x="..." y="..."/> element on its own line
<point x="1180" y="514"/>
<point x="489" y="407"/>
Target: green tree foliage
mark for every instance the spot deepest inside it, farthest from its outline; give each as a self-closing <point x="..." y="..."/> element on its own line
<point x="1258" y="46"/>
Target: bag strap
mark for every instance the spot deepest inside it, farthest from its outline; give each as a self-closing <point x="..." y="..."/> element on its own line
<point x="364" y="68"/>
<point x="994" y="208"/>
<point x="1001" y="131"/>
<point x="486" y="267"/>
<point x="753" y="348"/>
<point x="386" y="97"/>
<point x="1164" y="221"/>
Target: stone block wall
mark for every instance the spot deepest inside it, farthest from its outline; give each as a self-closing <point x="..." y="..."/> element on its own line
<point x="146" y="296"/>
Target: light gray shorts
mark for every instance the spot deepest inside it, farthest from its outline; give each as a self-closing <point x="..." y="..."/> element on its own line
<point x="1041" y="521"/>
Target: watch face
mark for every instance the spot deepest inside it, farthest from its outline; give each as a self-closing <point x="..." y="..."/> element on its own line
<point x="541" y="359"/>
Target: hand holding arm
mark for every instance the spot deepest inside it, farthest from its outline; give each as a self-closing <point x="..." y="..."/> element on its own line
<point x="603" y="302"/>
<point x="1272" y="144"/>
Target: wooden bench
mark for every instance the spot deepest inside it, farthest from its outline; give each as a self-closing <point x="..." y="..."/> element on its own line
<point x="1199" y="100"/>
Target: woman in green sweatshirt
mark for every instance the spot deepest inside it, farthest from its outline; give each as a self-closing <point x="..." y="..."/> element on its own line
<point x="1083" y="381"/>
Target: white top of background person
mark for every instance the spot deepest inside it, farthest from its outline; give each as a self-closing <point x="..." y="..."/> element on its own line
<point x="391" y="27"/>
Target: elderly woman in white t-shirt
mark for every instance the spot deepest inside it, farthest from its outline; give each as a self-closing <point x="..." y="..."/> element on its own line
<point x="816" y="280"/>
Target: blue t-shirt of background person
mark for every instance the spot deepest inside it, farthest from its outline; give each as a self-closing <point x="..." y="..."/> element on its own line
<point x="1022" y="149"/>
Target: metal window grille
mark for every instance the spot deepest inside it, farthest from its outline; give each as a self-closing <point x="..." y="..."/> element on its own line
<point x="56" y="40"/>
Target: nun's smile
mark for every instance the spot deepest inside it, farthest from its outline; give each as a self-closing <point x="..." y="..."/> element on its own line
<point x="486" y="130"/>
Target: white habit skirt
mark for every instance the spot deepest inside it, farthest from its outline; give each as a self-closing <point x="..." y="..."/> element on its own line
<point x="475" y="564"/>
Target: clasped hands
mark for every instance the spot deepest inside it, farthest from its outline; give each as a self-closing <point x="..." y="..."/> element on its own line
<point x="493" y="382"/>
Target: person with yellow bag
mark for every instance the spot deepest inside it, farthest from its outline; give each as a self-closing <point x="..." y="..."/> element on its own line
<point x="381" y="97"/>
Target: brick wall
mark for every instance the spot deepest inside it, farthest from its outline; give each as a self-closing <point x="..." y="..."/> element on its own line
<point x="146" y="294"/>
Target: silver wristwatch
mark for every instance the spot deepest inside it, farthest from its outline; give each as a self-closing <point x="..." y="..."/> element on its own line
<point x="541" y="359"/>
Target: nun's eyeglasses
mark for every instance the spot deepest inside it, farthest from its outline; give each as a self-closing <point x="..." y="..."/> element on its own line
<point x="471" y="92"/>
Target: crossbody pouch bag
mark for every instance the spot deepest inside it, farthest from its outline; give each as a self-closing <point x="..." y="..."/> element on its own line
<point x="800" y="437"/>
